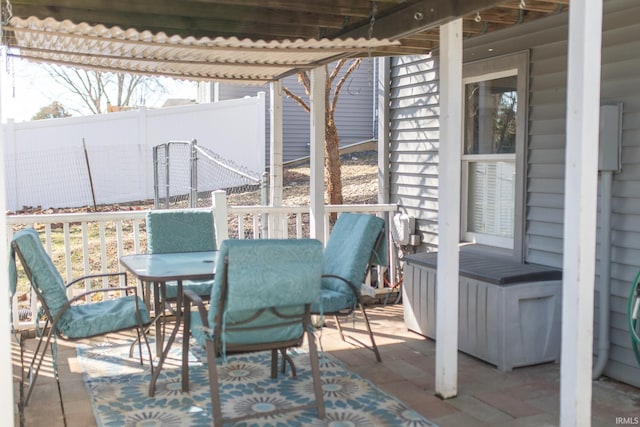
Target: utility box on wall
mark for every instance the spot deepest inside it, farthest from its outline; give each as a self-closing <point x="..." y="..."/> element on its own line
<point x="509" y="313"/>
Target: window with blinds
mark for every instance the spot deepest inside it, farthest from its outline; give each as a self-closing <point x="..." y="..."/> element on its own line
<point x="491" y="138"/>
<point x="491" y="198"/>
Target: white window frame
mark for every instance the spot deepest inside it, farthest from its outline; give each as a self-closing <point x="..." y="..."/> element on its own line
<point x="490" y="69"/>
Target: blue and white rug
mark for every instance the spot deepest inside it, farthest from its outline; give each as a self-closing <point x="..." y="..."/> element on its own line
<point x="118" y="389"/>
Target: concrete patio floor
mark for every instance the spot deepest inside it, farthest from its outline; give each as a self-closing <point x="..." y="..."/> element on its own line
<point x="486" y="397"/>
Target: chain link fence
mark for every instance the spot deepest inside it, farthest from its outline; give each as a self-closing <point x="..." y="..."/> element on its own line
<point x="185" y="174"/>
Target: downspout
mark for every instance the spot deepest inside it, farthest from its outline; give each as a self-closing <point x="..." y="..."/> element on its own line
<point x="606" y="184"/>
<point x="609" y="162"/>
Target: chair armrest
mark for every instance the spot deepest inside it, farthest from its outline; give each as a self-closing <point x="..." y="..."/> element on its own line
<point x="99" y="275"/>
<point x="83" y="295"/>
<point x="97" y="291"/>
<point x="189" y="298"/>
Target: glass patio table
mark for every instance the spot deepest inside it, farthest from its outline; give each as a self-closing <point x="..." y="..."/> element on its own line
<point x="159" y="269"/>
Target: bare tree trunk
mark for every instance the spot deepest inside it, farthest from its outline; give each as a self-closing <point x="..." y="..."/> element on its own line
<point x="332" y="171"/>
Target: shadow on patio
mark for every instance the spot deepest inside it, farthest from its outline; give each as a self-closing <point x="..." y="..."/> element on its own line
<point x="486" y="397"/>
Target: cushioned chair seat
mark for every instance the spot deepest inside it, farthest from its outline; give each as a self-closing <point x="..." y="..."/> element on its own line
<point x="333" y="301"/>
<point x="276" y="331"/>
<point x="103" y="317"/>
<point x="73" y="318"/>
<point x="356" y="242"/>
<point x="259" y="301"/>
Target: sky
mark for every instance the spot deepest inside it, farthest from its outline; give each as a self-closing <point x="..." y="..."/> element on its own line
<point x="26" y="88"/>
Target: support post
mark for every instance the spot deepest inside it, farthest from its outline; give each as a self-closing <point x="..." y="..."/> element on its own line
<point x="276" y="155"/>
<point x="580" y="201"/>
<point x="382" y="106"/>
<point x="384" y="71"/>
<point x="220" y="216"/>
<point x="450" y="154"/>
<point x="316" y="155"/>
<point x="6" y="371"/>
<point x="193" y="191"/>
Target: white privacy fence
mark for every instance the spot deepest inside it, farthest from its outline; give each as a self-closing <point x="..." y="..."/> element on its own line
<point x="71" y="162"/>
<point x="91" y="243"/>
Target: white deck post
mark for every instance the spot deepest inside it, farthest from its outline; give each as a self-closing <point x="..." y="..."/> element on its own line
<point x="6" y="370"/>
<point x="220" y="216"/>
<point x="580" y="201"/>
<point x="382" y="94"/>
<point x="317" y="131"/>
<point x="275" y="155"/>
<point x="450" y="154"/>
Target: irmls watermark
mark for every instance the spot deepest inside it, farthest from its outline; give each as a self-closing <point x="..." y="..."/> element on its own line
<point x="627" y="421"/>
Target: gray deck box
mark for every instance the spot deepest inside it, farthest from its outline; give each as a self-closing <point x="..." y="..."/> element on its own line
<point x="509" y="313"/>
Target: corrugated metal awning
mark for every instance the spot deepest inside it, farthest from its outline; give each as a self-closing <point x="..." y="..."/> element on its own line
<point x="219" y="59"/>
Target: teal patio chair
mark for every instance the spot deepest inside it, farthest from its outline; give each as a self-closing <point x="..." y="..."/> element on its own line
<point x="260" y="301"/>
<point x="356" y="242"/>
<point x="72" y="318"/>
<point x="182" y="230"/>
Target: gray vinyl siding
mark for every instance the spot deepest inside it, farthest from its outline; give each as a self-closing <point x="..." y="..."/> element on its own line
<point x="414" y="134"/>
<point x="354" y="115"/>
<point x="546" y="40"/>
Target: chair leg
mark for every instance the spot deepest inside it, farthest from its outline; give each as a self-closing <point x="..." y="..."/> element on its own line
<point x="315" y="373"/>
<point x="339" y="327"/>
<point x="57" y="376"/>
<point x="142" y="333"/>
<point x="274" y="363"/>
<point x="32" y="375"/>
<point x="374" y="347"/>
<point x="216" y="407"/>
<point x="287" y="359"/>
<point x="186" y="331"/>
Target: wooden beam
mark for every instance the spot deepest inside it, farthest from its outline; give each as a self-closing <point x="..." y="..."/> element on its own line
<point x="415" y="17"/>
<point x="195" y="25"/>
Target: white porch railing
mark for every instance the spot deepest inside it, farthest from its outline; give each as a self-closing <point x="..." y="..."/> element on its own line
<point x="89" y="243"/>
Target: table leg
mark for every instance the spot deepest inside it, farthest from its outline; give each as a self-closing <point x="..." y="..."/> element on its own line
<point x="158" y="312"/>
<point x="164" y="353"/>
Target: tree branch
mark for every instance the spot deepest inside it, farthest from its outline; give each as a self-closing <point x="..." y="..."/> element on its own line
<point x="305" y="81"/>
<point x="297" y="99"/>
<point x="337" y="69"/>
<point x="354" y="65"/>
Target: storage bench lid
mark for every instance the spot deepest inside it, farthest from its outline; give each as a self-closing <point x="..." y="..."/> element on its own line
<point x="491" y="268"/>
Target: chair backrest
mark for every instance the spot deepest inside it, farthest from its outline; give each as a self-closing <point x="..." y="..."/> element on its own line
<point x="43" y="275"/>
<point x="356" y="241"/>
<point x="255" y="277"/>
<point x="180" y="230"/>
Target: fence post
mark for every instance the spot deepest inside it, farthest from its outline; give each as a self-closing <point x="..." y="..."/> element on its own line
<point x="264" y="200"/>
<point x="220" y="216"/>
<point x="156" y="177"/>
<point x="193" y="193"/>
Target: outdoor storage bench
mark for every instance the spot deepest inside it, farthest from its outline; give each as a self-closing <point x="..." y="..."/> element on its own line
<point x="509" y="312"/>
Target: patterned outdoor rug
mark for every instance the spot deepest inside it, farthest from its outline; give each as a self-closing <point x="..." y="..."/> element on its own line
<point x="118" y="389"/>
